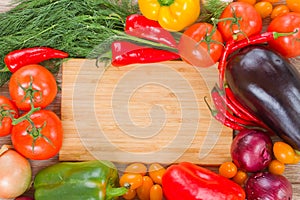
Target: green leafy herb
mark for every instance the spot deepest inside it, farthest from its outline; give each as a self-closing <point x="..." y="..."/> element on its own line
<point x="212" y="9"/>
<point x="76" y="26"/>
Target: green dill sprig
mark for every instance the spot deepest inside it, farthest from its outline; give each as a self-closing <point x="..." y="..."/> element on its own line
<point x="212" y="9"/>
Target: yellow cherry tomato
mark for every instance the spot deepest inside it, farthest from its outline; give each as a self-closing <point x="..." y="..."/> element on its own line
<point x="276" y="167"/>
<point x="279" y="10"/>
<point x="138" y="168"/>
<point x="294" y="5"/>
<point x="130" y="194"/>
<point x="134" y="180"/>
<point x="143" y="192"/>
<point x="264" y="8"/>
<point x="252" y="2"/>
<point x="156" y="192"/>
<point x="156" y="172"/>
<point x="284" y="153"/>
<point x="240" y="177"/>
<point x="228" y="169"/>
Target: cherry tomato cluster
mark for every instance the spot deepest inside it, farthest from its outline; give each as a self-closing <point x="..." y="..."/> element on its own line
<point x="143" y="182"/>
<point x="283" y="154"/>
<point x="36" y="133"/>
<point x="272" y="8"/>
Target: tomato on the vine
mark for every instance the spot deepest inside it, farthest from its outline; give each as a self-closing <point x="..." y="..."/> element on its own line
<point x="8" y="110"/>
<point x="32" y="83"/>
<point x="288" y="46"/>
<point x="39" y="137"/>
<point x="239" y="20"/>
<point x="198" y="38"/>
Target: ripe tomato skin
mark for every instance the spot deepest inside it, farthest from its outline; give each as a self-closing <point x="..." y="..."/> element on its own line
<point x="47" y="144"/>
<point x="288" y="46"/>
<point x="294" y="5"/>
<point x="43" y="85"/>
<point x="200" y="34"/>
<point x="7" y="108"/>
<point x="249" y="20"/>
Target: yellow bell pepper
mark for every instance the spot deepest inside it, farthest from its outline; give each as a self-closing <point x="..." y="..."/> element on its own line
<point x="172" y="15"/>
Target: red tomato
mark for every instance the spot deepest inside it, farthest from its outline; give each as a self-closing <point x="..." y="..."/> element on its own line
<point x="35" y="81"/>
<point x="39" y="141"/>
<point x="288" y="46"/>
<point x="8" y="110"/>
<point x="245" y="21"/>
<point x="201" y="37"/>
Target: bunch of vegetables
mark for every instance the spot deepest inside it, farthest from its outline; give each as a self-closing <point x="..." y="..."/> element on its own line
<point x="155" y="31"/>
<point x="36" y="133"/>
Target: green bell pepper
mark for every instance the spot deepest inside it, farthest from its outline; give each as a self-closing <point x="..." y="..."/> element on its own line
<point x="88" y="180"/>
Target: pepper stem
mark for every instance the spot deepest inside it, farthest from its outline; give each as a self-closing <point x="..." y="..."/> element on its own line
<point x="165" y="2"/>
<point x="4" y="69"/>
<point x="279" y="34"/>
<point x="115" y="192"/>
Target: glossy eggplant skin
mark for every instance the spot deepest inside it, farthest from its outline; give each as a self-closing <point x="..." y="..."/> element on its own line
<point x="269" y="86"/>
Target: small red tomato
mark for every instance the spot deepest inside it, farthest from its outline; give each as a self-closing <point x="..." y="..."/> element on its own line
<point x="8" y="111"/>
<point x="239" y="20"/>
<point x="32" y="84"/>
<point x="39" y="139"/>
<point x="288" y="46"/>
<point x="201" y="45"/>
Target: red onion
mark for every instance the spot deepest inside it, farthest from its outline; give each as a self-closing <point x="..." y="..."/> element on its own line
<point x="251" y="150"/>
<point x="268" y="186"/>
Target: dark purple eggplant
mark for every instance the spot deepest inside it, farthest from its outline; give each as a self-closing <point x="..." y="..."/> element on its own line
<point x="268" y="85"/>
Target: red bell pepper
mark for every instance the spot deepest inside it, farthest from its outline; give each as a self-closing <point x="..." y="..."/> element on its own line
<point x="189" y="181"/>
<point x="125" y="53"/>
<point x="139" y="26"/>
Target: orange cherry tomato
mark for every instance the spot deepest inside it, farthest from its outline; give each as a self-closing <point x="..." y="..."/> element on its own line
<point x="156" y="172"/>
<point x="279" y="10"/>
<point x="130" y="194"/>
<point x="134" y="180"/>
<point x="228" y="169"/>
<point x="294" y="5"/>
<point x="138" y="168"/>
<point x="143" y="192"/>
<point x="156" y="192"/>
<point x="252" y="2"/>
<point x="264" y="8"/>
<point x="284" y="153"/>
<point x="271" y="1"/>
<point x="276" y="167"/>
<point x="240" y="177"/>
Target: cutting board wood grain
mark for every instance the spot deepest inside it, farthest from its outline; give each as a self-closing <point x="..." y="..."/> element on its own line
<point x="140" y="113"/>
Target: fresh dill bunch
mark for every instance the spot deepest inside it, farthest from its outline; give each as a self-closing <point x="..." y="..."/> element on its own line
<point x="212" y="9"/>
<point x="76" y="26"/>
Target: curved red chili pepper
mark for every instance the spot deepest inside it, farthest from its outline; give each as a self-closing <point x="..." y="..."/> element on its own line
<point x="139" y="26"/>
<point x="125" y="53"/>
<point x="21" y="57"/>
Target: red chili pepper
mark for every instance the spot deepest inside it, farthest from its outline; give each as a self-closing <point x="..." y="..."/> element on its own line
<point x="125" y="53"/>
<point x="189" y="181"/>
<point x="221" y="107"/>
<point x="21" y="57"/>
<point x="139" y="26"/>
<point x="221" y="117"/>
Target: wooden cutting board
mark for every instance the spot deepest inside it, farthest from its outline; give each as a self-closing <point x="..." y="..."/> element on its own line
<point x="140" y="113"/>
